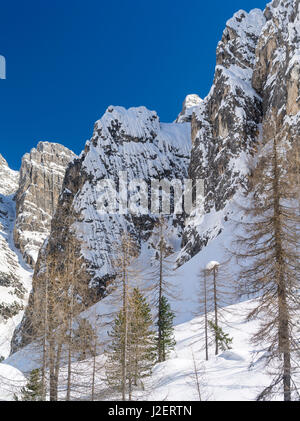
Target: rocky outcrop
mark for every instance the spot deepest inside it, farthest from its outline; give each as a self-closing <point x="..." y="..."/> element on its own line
<point x="276" y="75"/>
<point x="41" y="177"/>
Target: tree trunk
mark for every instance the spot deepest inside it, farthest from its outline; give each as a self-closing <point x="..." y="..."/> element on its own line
<point x="124" y="363"/>
<point x="216" y="307"/>
<point x="161" y="357"/>
<point x="205" y="316"/>
<point x="52" y="370"/>
<point x="283" y="329"/>
<point x="56" y="370"/>
<point x="94" y="370"/>
<point x="44" y="362"/>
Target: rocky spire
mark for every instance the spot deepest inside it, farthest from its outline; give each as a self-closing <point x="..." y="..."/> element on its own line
<point x="41" y="177"/>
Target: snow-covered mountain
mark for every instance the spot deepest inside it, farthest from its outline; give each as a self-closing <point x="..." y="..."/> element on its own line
<point x="255" y="96"/>
<point x="212" y="139"/>
<point x="132" y="141"/>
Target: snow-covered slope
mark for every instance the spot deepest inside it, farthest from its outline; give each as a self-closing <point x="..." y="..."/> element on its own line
<point x="233" y="375"/>
<point x="12" y="380"/>
<point x="15" y="276"/>
<point x="236" y="375"/>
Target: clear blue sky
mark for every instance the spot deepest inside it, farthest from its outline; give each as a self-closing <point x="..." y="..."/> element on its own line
<point x="68" y="60"/>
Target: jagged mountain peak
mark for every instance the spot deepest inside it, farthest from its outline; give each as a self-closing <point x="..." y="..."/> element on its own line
<point x="27" y="202"/>
<point x="238" y="43"/>
<point x="124" y="125"/>
<point x="255" y="96"/>
<point x="190" y="103"/>
<point x="282" y="9"/>
<point x="192" y="100"/>
<point x="41" y="177"/>
<point x="8" y="178"/>
<point x="247" y="22"/>
<point x="3" y="161"/>
<point x="48" y="151"/>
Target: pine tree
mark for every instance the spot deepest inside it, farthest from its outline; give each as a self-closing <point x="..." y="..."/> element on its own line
<point x="212" y="270"/>
<point x="163" y="267"/>
<point x="268" y="250"/>
<point x="115" y="355"/>
<point x="141" y="341"/>
<point x="140" y="346"/>
<point x="58" y="298"/>
<point x="166" y="342"/>
<point x="34" y="389"/>
<point x="84" y="340"/>
<point x="222" y="338"/>
<point x="126" y="272"/>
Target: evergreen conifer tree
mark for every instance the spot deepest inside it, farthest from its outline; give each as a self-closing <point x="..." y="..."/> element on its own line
<point x="142" y="340"/>
<point x="268" y="252"/>
<point x="33" y="389"/>
<point x="140" y="346"/>
<point x="84" y="339"/>
<point x="223" y="339"/>
<point x="115" y="357"/>
<point x="162" y="271"/>
<point x="165" y="325"/>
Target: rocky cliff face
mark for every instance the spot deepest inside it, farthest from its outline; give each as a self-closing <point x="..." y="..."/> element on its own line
<point x="276" y="75"/>
<point x="41" y="177"/>
<point x="255" y="96"/>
